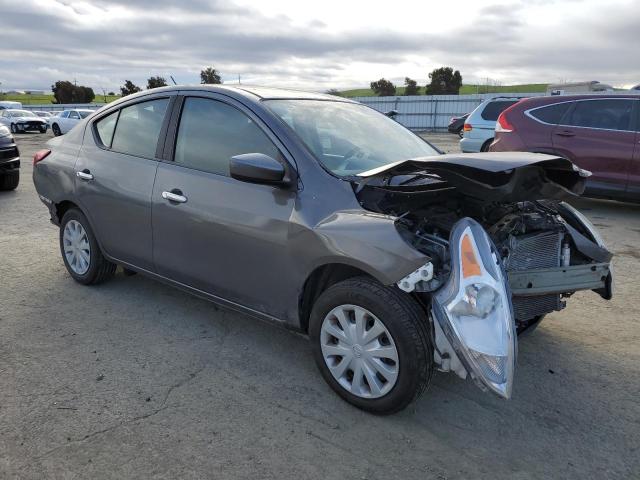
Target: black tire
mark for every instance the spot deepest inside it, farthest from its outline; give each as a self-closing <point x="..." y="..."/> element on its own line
<point x="100" y="269"/>
<point x="461" y="133"/>
<point x="14" y="129"/>
<point x="406" y="322"/>
<point x="486" y="145"/>
<point x="43" y="129"/>
<point x="56" y="130"/>
<point x="9" y="180"/>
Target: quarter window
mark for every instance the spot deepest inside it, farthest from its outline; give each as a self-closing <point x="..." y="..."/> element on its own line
<point x="105" y="128"/>
<point x="138" y="128"/>
<point x="551" y="114"/>
<point x="609" y="114"/>
<point x="211" y="132"/>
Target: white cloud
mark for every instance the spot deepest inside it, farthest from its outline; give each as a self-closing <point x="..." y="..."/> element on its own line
<point x="341" y="44"/>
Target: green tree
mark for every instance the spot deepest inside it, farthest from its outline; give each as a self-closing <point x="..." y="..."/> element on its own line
<point x="210" y="75"/>
<point x="128" y="88"/>
<point x="156" y="82"/>
<point x="383" y="88"/>
<point x="66" y="92"/>
<point x="444" y="81"/>
<point x="411" y="87"/>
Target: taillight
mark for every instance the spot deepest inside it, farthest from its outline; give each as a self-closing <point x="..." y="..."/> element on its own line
<point x="503" y="125"/>
<point x="467" y="127"/>
<point x="40" y="155"/>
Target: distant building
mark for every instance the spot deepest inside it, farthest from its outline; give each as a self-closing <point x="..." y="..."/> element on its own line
<point x="578" y="87"/>
<point x="34" y="92"/>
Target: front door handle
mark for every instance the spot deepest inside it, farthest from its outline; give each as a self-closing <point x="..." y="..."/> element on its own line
<point x="174" y="195"/>
<point x="566" y="133"/>
<point x="84" y="175"/>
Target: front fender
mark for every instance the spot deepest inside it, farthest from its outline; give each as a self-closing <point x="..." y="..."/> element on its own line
<point x="369" y="241"/>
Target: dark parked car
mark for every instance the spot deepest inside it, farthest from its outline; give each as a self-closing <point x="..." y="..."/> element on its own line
<point x="599" y="133"/>
<point x="456" y="124"/>
<point x="9" y="160"/>
<point x="329" y="217"/>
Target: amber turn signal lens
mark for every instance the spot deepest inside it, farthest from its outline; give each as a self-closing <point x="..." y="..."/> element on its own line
<point x="470" y="265"/>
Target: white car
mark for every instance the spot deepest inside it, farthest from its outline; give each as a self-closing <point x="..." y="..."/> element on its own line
<point x="20" y="121"/>
<point x="68" y="119"/>
<point x="480" y="126"/>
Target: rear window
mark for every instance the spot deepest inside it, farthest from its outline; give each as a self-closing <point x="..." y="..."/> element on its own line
<point x="552" y="113"/>
<point x="138" y="128"/>
<point x="494" y="109"/>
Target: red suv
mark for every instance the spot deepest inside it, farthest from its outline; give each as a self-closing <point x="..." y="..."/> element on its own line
<point x="597" y="132"/>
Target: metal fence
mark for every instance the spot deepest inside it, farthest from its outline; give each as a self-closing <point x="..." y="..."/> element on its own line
<point x="58" y="107"/>
<point x="432" y="112"/>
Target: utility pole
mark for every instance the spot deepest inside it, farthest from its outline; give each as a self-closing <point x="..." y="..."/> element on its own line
<point x="239" y="80"/>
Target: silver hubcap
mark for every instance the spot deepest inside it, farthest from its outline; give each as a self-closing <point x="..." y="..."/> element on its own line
<point x="77" y="250"/>
<point x="359" y="351"/>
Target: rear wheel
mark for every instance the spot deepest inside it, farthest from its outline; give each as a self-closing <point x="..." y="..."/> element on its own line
<point x="486" y="145"/>
<point x="9" y="180"/>
<point x="371" y="344"/>
<point x="80" y="251"/>
<point x="56" y="130"/>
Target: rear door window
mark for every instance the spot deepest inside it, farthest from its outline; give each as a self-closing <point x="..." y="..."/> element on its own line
<point x="609" y="114"/>
<point x="493" y="109"/>
<point x="105" y="128"/>
<point x="138" y="128"/>
<point x="211" y="132"/>
<point x="551" y="114"/>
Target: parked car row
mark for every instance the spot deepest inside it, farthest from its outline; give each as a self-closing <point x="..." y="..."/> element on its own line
<point x="600" y="134"/>
<point x="325" y="215"/>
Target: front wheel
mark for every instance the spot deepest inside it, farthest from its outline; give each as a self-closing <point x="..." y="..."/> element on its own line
<point x="56" y="130"/>
<point x="371" y="344"/>
<point x="14" y="129"/>
<point x="80" y="250"/>
<point x="43" y="129"/>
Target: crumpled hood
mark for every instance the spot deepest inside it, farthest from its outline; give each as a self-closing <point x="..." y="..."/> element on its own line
<point x="503" y="176"/>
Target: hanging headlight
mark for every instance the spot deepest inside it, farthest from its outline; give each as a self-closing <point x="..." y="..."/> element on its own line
<point x="474" y="309"/>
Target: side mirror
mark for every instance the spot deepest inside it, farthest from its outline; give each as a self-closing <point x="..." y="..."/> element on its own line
<point x="257" y="168"/>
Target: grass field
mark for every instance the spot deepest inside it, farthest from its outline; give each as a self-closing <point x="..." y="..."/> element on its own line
<point x="465" y="90"/>
<point x="46" y="99"/>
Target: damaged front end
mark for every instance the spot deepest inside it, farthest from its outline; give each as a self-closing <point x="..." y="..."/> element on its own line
<point x="504" y="250"/>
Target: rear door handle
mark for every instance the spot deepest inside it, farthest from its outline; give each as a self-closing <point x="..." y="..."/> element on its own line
<point x="566" y="133"/>
<point x="174" y="195"/>
<point x="84" y="175"/>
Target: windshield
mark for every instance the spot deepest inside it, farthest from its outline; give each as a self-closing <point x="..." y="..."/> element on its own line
<point x="349" y="138"/>
<point x="22" y="113"/>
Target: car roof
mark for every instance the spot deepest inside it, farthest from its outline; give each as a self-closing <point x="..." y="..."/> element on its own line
<point x="550" y="99"/>
<point x="251" y="92"/>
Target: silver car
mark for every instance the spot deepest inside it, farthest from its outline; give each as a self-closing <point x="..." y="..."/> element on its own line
<point x="324" y="215"/>
<point x="21" y="121"/>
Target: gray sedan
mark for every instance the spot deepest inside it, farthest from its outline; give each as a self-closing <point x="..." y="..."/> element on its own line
<point x="324" y="215"/>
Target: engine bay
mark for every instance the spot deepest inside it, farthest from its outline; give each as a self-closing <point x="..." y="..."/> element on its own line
<point x="546" y="254"/>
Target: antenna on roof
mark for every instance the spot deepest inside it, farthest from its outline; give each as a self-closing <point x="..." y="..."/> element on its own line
<point x="173" y="79"/>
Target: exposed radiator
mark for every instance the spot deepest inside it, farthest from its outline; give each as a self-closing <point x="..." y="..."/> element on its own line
<point x="539" y="250"/>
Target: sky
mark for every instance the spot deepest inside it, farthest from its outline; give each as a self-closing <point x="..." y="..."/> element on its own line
<point x="317" y="45"/>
